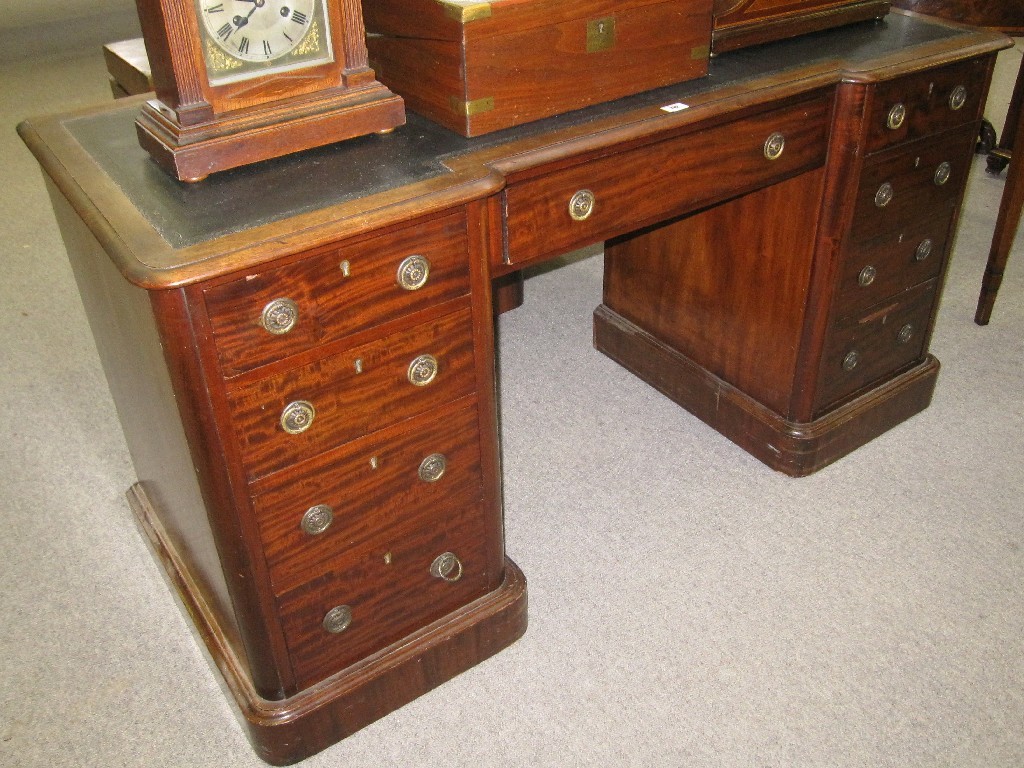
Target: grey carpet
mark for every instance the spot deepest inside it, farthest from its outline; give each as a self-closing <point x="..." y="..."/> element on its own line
<point x="688" y="606"/>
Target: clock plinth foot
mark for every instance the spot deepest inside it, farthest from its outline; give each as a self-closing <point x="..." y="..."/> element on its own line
<point x="193" y="152"/>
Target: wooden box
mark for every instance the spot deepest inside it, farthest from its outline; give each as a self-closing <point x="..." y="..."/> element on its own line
<point x="477" y="67"/>
<point x="740" y="23"/>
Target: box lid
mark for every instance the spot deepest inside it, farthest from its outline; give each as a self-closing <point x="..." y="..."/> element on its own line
<point x="460" y="20"/>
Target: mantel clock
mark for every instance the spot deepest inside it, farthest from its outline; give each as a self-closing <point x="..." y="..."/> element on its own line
<point x="239" y="81"/>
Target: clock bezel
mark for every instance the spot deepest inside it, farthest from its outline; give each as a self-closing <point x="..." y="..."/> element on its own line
<point x="243" y="68"/>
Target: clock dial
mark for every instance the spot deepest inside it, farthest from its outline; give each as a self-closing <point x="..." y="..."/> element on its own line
<point x="251" y="38"/>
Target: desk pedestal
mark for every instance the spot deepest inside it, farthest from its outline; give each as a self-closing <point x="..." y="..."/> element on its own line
<point x="796" y="449"/>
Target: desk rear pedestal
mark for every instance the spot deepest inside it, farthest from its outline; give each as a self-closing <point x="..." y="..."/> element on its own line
<point x="796" y="319"/>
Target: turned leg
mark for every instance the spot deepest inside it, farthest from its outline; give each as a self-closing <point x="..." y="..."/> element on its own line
<point x="1009" y="212"/>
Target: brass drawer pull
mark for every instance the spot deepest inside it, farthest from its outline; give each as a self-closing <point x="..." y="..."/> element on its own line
<point x="413" y="272"/>
<point x="581" y="206"/>
<point x="433" y="468"/>
<point x="774" y="146"/>
<point x="338" y="619"/>
<point x="446" y="567"/>
<point x="851" y="360"/>
<point x="422" y="370"/>
<point x="906" y="333"/>
<point x="942" y="173"/>
<point x="897" y="114"/>
<point x="867" y="276"/>
<point x="279" y="316"/>
<point x="884" y="195"/>
<point x="958" y="98"/>
<point x="317" y="519"/>
<point x="923" y="250"/>
<point x="297" y="417"/>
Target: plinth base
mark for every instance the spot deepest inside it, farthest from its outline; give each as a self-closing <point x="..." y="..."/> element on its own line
<point x="794" y="448"/>
<point x="286" y="731"/>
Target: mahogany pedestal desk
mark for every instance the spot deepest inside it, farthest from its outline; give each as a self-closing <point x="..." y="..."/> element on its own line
<point x="302" y="352"/>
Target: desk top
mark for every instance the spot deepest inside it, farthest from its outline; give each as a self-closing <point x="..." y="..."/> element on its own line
<point x="164" y="233"/>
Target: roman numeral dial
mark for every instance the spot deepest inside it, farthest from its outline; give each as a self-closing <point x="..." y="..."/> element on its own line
<point x="252" y="38"/>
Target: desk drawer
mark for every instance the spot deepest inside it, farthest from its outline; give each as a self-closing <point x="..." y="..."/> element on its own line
<point x="339" y="398"/>
<point x="547" y="216"/>
<point x="343" y="290"/>
<point x="888" y="265"/>
<point x="911" y="182"/>
<point x="915" y="106"/>
<point x="871" y="346"/>
<point x="334" y="504"/>
<point x="384" y="588"/>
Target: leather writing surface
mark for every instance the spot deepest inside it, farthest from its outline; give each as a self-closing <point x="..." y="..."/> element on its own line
<point x="187" y="214"/>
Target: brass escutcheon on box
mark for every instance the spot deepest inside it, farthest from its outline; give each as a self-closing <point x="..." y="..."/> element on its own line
<point x="600" y="34"/>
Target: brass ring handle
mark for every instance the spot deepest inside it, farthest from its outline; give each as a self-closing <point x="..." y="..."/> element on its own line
<point x="422" y="370"/>
<point x="774" y="146"/>
<point x="867" y="276"/>
<point x="851" y="360"/>
<point x="906" y="333"/>
<point x="279" y="316"/>
<point x="923" y="250"/>
<point x="446" y="567"/>
<point x="581" y="205"/>
<point x="958" y="98"/>
<point x="942" y="173"/>
<point x="433" y="467"/>
<point x="317" y="519"/>
<point x="297" y="417"/>
<point x="338" y="619"/>
<point x="413" y="272"/>
<point x="884" y="195"/>
<point x="897" y="114"/>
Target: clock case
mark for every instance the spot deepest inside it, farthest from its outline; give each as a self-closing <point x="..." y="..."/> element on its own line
<point x="477" y="67"/>
<point x="193" y="129"/>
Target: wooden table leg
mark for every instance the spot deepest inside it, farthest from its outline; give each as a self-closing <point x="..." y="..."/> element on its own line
<point x="1000" y="156"/>
<point x="1009" y="213"/>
